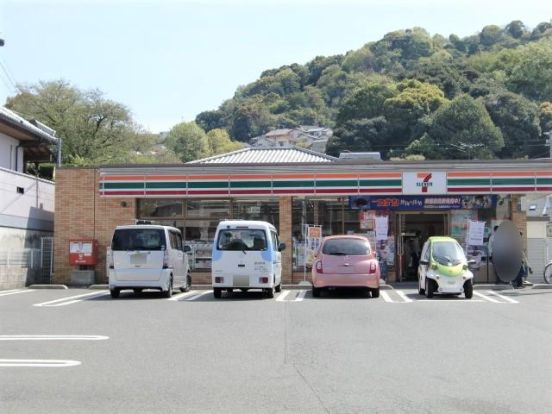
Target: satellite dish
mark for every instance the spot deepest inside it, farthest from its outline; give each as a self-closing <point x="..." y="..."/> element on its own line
<point x="507" y="251"/>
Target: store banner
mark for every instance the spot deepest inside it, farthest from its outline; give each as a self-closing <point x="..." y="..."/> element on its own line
<point x="422" y="202"/>
<point x="427" y="182"/>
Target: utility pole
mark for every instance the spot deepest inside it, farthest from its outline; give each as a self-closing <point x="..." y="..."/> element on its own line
<point x="548" y="142"/>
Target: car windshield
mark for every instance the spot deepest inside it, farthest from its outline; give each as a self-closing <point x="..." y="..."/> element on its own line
<point x="242" y="239"/>
<point x="446" y="252"/>
<point x="346" y="247"/>
<point x="138" y="239"/>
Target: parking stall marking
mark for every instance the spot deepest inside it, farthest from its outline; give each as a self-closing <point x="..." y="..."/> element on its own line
<point x="15" y="291"/>
<point x="198" y="295"/>
<point x="42" y="363"/>
<point x="70" y="299"/>
<point x="183" y="295"/>
<point x="282" y="296"/>
<point x="53" y="337"/>
<point x="487" y="298"/>
<point x="403" y="296"/>
<point x="288" y="296"/>
<point x="507" y="299"/>
<point x="386" y="297"/>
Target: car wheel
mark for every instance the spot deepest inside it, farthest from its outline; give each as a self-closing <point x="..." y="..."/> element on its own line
<point x="230" y="290"/>
<point x="375" y="293"/>
<point x="168" y="293"/>
<point x="421" y="290"/>
<point x="269" y="292"/>
<point x="279" y="287"/>
<point x="217" y="293"/>
<point x="137" y="291"/>
<point x="115" y="293"/>
<point x="468" y="289"/>
<point x="429" y="288"/>
<point x="188" y="284"/>
<point x="315" y="292"/>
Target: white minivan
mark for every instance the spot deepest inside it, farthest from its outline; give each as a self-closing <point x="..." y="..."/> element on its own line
<point x="146" y="256"/>
<point x="246" y="255"/>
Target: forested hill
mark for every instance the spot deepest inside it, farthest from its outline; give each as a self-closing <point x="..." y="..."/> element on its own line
<point x="487" y="95"/>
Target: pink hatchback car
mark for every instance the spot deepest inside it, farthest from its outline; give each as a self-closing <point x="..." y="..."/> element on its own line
<point x="345" y="261"/>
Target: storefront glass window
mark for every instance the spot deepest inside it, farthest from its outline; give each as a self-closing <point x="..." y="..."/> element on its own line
<point x="301" y="216"/>
<point x="208" y="209"/>
<point x="265" y="210"/>
<point x="330" y="216"/>
<point x="160" y="207"/>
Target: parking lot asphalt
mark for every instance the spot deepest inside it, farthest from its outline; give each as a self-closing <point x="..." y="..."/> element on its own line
<point x="80" y="351"/>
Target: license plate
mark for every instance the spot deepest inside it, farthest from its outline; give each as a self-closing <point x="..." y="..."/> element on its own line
<point x="138" y="259"/>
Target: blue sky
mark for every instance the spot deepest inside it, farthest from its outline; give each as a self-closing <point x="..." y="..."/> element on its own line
<point x="168" y="60"/>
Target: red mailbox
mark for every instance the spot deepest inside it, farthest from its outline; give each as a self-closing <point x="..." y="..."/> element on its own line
<point x="83" y="252"/>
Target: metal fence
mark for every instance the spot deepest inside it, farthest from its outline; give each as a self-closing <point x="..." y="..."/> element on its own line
<point x="38" y="261"/>
<point x="29" y="258"/>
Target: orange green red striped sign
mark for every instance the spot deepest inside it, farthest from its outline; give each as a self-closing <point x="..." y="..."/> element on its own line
<point x="343" y="184"/>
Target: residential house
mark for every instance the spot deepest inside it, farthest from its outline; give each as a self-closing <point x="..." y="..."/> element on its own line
<point x="26" y="201"/>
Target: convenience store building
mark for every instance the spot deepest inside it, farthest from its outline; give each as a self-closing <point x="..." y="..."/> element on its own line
<point x="295" y="189"/>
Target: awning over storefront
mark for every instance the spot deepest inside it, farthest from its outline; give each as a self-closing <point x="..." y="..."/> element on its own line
<point x="339" y="178"/>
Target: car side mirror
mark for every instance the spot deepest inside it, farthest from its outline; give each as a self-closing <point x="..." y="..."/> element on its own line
<point x="186" y="248"/>
<point x="281" y="247"/>
<point x="471" y="262"/>
<point x="424" y="262"/>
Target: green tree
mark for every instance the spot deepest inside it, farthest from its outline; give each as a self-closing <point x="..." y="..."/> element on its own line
<point x="545" y="116"/>
<point x="220" y="142"/>
<point x="463" y="129"/>
<point x="188" y="141"/>
<point x="361" y="135"/>
<point x="532" y="75"/>
<point x="209" y="120"/>
<point x="94" y="130"/>
<point x="407" y="111"/>
<point x="518" y="120"/>
<point x="366" y="102"/>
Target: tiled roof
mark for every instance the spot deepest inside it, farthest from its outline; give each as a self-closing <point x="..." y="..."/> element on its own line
<point x="258" y="155"/>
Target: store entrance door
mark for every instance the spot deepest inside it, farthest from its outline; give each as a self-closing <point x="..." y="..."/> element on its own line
<point x="414" y="228"/>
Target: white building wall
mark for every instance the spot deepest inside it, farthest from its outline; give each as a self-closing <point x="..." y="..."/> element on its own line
<point x="26" y="202"/>
<point x="8" y="148"/>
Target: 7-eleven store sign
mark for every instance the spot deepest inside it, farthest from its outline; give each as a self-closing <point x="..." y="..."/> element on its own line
<point x="426" y="182"/>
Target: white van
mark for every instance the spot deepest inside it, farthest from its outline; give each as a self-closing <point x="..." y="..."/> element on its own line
<point x="246" y="255"/>
<point x="145" y="256"/>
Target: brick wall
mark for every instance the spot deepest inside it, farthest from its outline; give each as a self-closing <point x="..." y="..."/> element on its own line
<point x="286" y="237"/>
<point x="81" y="213"/>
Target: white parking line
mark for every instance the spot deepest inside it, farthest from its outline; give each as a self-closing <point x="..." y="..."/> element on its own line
<point x="386" y="297"/>
<point x="199" y="295"/>
<point x="506" y="298"/>
<point x="481" y="295"/>
<point x="183" y="295"/>
<point x="403" y="296"/>
<point x="282" y="296"/>
<point x="300" y="296"/>
<point x="53" y="337"/>
<point x="450" y="300"/>
<point x="14" y="291"/>
<point x="70" y="299"/>
<point x="43" y="363"/>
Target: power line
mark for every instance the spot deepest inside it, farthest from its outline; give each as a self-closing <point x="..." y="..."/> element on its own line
<point x="8" y="76"/>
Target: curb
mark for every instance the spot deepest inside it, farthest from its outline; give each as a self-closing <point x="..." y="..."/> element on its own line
<point x="99" y="286"/>
<point x="48" y="287"/>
